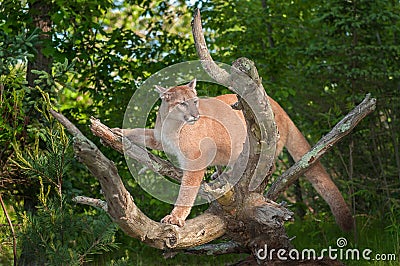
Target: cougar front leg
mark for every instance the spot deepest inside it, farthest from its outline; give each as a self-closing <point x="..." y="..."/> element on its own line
<point x="187" y="195"/>
<point x="139" y="136"/>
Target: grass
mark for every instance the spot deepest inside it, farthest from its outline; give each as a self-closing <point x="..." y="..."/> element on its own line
<point x="371" y="234"/>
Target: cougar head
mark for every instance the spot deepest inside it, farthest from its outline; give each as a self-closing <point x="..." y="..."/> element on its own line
<point x="182" y="100"/>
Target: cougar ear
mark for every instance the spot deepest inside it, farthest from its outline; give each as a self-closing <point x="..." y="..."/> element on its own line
<point x="192" y="85"/>
<point x="161" y="90"/>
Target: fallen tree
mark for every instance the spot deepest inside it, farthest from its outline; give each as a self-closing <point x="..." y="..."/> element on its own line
<point x="244" y="214"/>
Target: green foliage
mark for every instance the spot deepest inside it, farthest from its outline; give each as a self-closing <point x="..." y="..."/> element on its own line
<point x="53" y="234"/>
<point x="13" y="89"/>
<point x="50" y="163"/>
<point x="13" y="92"/>
<point x="14" y="49"/>
<point x="318" y="234"/>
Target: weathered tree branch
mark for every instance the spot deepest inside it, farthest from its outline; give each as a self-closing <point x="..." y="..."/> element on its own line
<point x="218" y="74"/>
<point x="344" y="127"/>
<point x="257" y="157"/>
<point x="97" y="203"/>
<point x="140" y="154"/>
<point x="261" y="128"/>
<point x="123" y="211"/>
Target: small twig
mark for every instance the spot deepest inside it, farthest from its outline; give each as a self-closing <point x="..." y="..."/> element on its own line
<point x="91" y="202"/>
<point x="12" y="230"/>
<point x="344" y="127"/>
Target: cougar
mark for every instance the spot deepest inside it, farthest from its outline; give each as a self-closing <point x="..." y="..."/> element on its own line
<point x="202" y="132"/>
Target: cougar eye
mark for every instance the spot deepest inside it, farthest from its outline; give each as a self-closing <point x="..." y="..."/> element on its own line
<point x="183" y="103"/>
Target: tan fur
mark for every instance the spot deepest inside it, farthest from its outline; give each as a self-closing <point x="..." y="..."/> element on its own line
<point x="207" y="131"/>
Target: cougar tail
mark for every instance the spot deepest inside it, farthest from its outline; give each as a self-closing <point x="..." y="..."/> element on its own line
<point x="297" y="146"/>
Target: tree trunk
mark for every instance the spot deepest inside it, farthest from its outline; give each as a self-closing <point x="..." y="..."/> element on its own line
<point x="39" y="11"/>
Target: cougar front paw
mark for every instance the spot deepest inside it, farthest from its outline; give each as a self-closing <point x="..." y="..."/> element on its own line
<point x="172" y="219"/>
